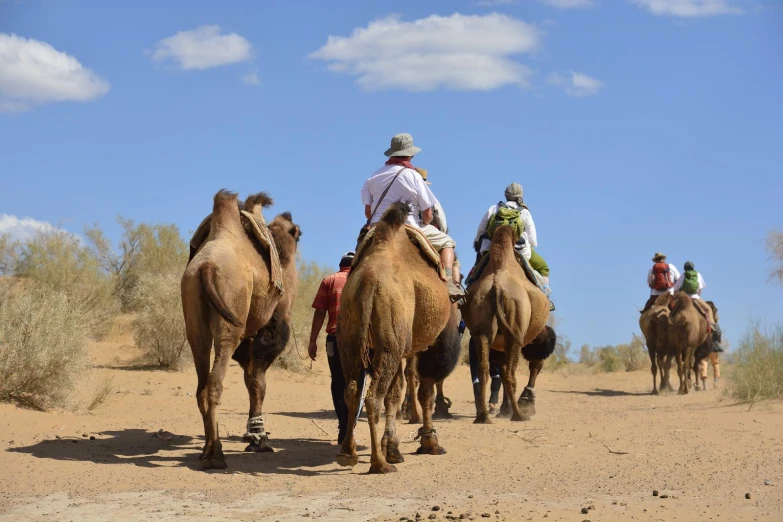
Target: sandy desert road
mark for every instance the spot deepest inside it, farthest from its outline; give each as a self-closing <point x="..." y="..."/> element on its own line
<point x="598" y="441"/>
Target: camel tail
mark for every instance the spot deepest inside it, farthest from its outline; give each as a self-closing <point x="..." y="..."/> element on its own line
<point x="503" y="320"/>
<point x="365" y="330"/>
<point x="207" y="272"/>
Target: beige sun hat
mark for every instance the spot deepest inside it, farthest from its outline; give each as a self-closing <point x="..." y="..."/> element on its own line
<point x="402" y="145"/>
<point x="423" y="173"/>
<point x="659" y="256"/>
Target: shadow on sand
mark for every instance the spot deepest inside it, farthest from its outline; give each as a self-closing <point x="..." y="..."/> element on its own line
<point x="142" y="448"/>
<point x="598" y="392"/>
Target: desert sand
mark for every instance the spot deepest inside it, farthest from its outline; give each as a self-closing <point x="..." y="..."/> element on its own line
<point x="598" y="441"/>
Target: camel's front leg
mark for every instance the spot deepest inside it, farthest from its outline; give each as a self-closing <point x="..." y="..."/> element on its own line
<point x="654" y="370"/>
<point x="482" y="348"/>
<point x="429" y="438"/>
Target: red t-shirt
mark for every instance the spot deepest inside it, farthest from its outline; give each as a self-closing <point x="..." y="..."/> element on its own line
<point x="328" y="297"/>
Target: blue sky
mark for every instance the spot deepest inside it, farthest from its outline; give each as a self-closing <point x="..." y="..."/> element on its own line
<point x="633" y="126"/>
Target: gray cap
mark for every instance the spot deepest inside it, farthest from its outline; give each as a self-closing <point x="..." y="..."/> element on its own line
<point x="514" y="192"/>
<point x="402" y="145"/>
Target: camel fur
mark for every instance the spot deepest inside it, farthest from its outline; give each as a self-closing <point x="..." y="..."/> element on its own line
<point x="393" y="305"/>
<point x="688" y="331"/>
<point x="504" y="311"/>
<point x="230" y="303"/>
<point x="654" y="323"/>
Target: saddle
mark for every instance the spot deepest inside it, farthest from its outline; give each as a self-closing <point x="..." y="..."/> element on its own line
<point x="532" y="276"/>
<point x="416" y="237"/>
<point x="256" y="229"/>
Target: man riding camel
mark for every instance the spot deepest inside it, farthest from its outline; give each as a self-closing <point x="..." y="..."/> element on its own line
<point x="692" y="283"/>
<point x="514" y="212"/>
<point x="660" y="278"/>
<point x="398" y="180"/>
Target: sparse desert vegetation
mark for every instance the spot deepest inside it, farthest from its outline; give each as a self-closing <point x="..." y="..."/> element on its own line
<point x="757" y="371"/>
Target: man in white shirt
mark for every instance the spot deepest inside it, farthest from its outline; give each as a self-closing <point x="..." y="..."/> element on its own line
<point x="399" y="181"/>
<point x="660" y="278"/>
<point x="514" y="199"/>
<point x="696" y="282"/>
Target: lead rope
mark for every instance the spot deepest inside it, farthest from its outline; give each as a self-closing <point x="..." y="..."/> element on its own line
<point x="296" y="345"/>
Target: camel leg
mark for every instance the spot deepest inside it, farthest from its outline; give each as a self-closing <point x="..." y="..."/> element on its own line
<point x="429" y="438"/>
<point x="385" y="368"/>
<point x="412" y="381"/>
<point x="483" y="342"/>
<point x="225" y="343"/>
<point x="527" y="401"/>
<point x="654" y="370"/>
<point x="352" y="394"/>
<point x="442" y="404"/>
<point x="508" y="374"/>
<point x="201" y="349"/>
<point x="390" y="444"/>
<point x="681" y="373"/>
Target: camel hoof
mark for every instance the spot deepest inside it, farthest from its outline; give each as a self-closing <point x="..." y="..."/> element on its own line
<point x="654" y="392"/>
<point x="213" y="463"/>
<point x="393" y="455"/>
<point x="381" y="469"/>
<point x="519" y="418"/>
<point x="259" y="448"/>
<point x="431" y="450"/>
<point x="482" y="418"/>
<point x="527" y="408"/>
<point x="503" y="414"/>
<point x="415" y="420"/>
<point x="441" y="415"/>
<point x="346" y="460"/>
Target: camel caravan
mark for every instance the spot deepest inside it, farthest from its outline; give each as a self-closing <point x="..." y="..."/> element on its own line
<point x="395" y="312"/>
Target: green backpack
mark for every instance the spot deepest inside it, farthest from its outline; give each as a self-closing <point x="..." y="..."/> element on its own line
<point x="506" y="215"/>
<point x="691" y="284"/>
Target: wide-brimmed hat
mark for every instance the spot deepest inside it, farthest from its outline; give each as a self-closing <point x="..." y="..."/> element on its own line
<point x="402" y="145"/>
<point x="659" y="256"/>
<point x="423" y="173"/>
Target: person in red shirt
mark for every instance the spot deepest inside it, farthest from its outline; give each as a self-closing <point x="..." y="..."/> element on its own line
<point x="327" y="303"/>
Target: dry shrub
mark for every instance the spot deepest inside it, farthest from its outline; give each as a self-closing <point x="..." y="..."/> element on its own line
<point x="587" y="356"/>
<point x="634" y="355"/>
<point x="758" y="370"/>
<point x="159" y="327"/>
<point x="609" y="359"/>
<point x="102" y="391"/>
<point x="559" y="357"/>
<point x="43" y="347"/>
<point x="59" y="261"/>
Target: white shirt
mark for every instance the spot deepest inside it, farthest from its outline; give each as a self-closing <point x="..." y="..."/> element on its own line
<point x="408" y="187"/>
<point x="531" y="240"/>
<point x="702" y="285"/>
<point x="674" y="275"/>
<point x="442" y="216"/>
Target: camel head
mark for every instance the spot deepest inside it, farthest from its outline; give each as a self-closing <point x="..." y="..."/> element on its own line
<point x="661" y="308"/>
<point x="714" y="310"/>
<point x="286" y="235"/>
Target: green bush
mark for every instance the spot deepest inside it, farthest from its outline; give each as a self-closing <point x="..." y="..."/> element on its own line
<point x="758" y="370"/>
<point x="43" y="346"/>
<point x="587" y="356"/>
<point x="159" y="327"/>
<point x="609" y="359"/>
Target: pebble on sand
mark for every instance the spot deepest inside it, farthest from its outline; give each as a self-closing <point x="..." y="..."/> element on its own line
<point x="584" y="510"/>
<point x="655" y="492"/>
<point x="747" y="495"/>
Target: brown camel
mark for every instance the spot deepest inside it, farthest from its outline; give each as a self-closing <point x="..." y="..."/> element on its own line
<point x="393" y="305"/>
<point x="654" y="323"/>
<point x="228" y="297"/>
<point x="503" y="311"/>
<point x="688" y="331"/>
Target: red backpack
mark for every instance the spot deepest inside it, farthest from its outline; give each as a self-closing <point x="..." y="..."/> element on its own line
<point x="661" y="280"/>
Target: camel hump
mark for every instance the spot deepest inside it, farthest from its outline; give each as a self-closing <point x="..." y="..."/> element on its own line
<point x="255" y="202"/>
<point x="223" y="198"/>
<point x="397" y="214"/>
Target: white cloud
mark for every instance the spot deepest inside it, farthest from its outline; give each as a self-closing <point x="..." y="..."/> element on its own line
<point x="23" y="229"/>
<point x="576" y="84"/>
<point x="690" y="8"/>
<point x="455" y="52"/>
<point x="251" y="78"/>
<point x="567" y="4"/>
<point x="202" y="48"/>
<point x="35" y="73"/>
